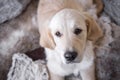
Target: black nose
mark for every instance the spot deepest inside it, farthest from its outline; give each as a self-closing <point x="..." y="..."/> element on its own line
<point x="70" y="56"/>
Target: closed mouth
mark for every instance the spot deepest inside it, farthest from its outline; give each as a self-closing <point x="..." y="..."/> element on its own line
<point x="72" y="62"/>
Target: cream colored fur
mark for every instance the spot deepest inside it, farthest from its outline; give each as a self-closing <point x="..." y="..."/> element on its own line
<point x="65" y="16"/>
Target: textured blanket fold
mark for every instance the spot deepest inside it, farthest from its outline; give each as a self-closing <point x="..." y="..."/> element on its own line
<point x="23" y="68"/>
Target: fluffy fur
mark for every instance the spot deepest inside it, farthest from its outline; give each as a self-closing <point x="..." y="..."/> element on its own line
<point x="65" y="16"/>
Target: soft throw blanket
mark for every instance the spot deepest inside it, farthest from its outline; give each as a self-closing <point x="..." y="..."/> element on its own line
<point x="23" y="68"/>
<point x="21" y="35"/>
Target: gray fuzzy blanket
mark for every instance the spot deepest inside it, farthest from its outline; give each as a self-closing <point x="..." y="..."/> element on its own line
<point x="20" y="35"/>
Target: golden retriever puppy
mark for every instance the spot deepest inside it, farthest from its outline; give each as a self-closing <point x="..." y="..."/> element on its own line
<point x="67" y="34"/>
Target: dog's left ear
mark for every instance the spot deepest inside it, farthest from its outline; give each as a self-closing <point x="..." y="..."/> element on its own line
<point x="94" y="31"/>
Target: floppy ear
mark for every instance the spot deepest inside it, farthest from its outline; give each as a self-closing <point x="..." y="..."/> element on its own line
<point x="94" y="31"/>
<point x="46" y="39"/>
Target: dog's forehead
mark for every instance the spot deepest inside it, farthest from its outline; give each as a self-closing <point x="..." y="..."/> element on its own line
<point x="67" y="17"/>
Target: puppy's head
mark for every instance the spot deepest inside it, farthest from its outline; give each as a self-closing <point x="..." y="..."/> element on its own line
<point x="67" y="34"/>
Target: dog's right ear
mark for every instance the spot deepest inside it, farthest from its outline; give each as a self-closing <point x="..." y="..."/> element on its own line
<point x="46" y="39"/>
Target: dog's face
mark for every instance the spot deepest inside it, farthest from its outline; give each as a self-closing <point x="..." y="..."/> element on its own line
<point x="68" y="33"/>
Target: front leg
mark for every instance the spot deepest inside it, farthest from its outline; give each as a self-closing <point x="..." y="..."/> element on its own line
<point x="89" y="73"/>
<point x="55" y="77"/>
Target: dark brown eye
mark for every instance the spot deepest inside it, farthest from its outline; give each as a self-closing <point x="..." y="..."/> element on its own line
<point x="58" y="34"/>
<point x="77" y="31"/>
